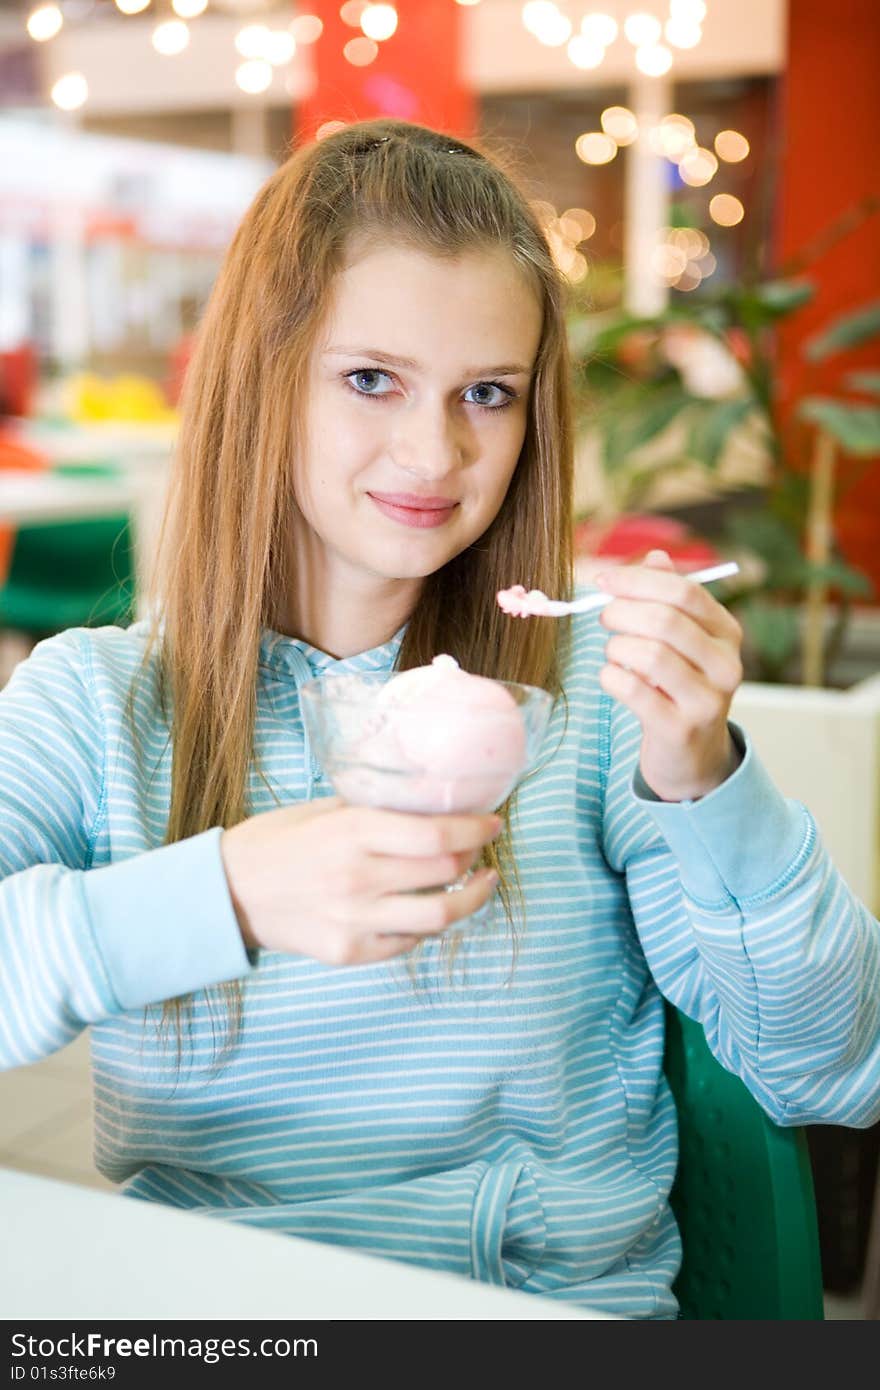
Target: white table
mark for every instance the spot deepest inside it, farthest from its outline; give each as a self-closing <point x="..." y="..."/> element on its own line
<point x="72" y="1253"/>
<point x="41" y="499"/>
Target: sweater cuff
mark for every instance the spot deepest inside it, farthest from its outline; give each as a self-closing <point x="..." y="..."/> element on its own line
<point x="164" y="923"/>
<point x="736" y="842"/>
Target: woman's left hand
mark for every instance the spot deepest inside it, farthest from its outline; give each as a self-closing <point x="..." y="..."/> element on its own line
<point x="674" y="660"/>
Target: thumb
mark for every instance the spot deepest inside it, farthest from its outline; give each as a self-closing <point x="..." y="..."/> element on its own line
<point x="658" y="559"/>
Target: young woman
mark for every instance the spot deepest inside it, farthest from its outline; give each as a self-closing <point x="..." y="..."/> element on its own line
<point x="376" y="438"/>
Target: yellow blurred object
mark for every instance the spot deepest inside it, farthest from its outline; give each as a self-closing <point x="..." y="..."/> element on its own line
<point x="129" y="398"/>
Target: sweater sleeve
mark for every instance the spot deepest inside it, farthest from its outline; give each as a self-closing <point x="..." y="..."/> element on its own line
<point x="748" y="927"/>
<point x="78" y="944"/>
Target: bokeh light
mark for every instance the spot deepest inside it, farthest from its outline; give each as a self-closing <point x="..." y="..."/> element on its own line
<point x="280" y="47"/>
<point x="595" y="147"/>
<point x="581" y="218"/>
<point x="673" y="137"/>
<point x="350" y="13"/>
<point x="252" y="40"/>
<point x="668" y="261"/>
<point x="620" y="123"/>
<point x="653" y="59"/>
<point x="70" y="91"/>
<point x="689" y="279"/>
<point x="642" y="29"/>
<point x="693" y="242"/>
<point x="306" y="28"/>
<point x="584" y="53"/>
<point x="361" y="52"/>
<point x="171" y="37"/>
<point x="254" y="75"/>
<point x="379" y="22"/>
<point x="698" y="167"/>
<point x="44" y="22"/>
<point x="731" y="146"/>
<point x="726" y="210"/>
<point x="682" y="34"/>
<point x="600" y="28"/>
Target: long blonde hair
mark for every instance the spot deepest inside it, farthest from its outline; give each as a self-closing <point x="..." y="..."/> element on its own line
<point x="224" y="567"/>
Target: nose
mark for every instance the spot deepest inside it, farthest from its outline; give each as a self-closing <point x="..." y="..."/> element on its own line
<point x="429" y="443"/>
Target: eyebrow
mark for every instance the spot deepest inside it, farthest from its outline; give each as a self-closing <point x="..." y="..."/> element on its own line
<point x="508" y="369"/>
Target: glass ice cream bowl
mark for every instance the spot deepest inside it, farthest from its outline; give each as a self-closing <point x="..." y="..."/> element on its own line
<point x="411" y="743"/>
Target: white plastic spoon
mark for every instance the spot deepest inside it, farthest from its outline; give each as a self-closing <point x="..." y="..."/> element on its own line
<point x="517" y="603"/>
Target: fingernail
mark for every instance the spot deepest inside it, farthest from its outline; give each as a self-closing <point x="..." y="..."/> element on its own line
<point x="491" y="876"/>
<point x="497" y="823"/>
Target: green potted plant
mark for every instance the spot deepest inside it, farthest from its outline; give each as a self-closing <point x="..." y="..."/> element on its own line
<point x="681" y="391"/>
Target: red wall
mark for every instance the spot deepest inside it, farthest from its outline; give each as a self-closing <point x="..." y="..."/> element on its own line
<point x="416" y="75"/>
<point x="830" y="162"/>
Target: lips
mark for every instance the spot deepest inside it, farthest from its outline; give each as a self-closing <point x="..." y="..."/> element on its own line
<point x="415" y="501"/>
<point x="410" y="509"/>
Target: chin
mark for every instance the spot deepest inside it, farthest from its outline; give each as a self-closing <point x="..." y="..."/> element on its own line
<point x="414" y="561"/>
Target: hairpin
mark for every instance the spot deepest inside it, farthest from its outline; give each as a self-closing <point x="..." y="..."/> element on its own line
<point x="383" y="140"/>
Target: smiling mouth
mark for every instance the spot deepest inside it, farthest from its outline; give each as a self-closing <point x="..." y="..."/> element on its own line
<point x="409" y="510"/>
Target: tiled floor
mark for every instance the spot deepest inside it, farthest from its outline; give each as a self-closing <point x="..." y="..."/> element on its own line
<point x="46" y="1118"/>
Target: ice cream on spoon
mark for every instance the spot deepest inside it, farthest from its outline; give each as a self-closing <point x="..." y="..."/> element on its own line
<point x="518" y="603"/>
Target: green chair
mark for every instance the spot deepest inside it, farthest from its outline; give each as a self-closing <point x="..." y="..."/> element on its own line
<point x="72" y="574"/>
<point x="743" y="1195"/>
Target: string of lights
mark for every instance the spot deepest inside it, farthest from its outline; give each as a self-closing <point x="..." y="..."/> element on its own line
<point x="262" y="47"/>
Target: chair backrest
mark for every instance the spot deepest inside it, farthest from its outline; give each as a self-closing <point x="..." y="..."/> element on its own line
<point x="743" y="1195"/>
<point x="69" y="574"/>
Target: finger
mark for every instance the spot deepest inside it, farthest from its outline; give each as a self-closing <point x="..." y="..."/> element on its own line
<point x="370" y="947"/>
<point x="429" y="914"/>
<point x="666" y="670"/>
<point x="409" y="834"/>
<point x="385" y="947"/>
<point x="659" y="559"/>
<point x="643" y="639"/>
<point x="389" y="874"/>
<point x="652" y="707"/>
<point x="667" y="623"/>
<point x="655" y="585"/>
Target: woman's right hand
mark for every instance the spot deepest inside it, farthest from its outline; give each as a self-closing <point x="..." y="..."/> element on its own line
<point x="335" y="882"/>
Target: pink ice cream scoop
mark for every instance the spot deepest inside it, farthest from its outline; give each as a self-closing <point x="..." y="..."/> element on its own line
<point x="443" y="740"/>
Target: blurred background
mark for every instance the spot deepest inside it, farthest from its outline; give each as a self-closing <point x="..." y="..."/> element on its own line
<point x="706" y="172"/>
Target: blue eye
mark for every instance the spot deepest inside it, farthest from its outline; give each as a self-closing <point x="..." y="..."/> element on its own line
<point x="496" y="404"/>
<point x="368" y="372"/>
<point x="503" y="396"/>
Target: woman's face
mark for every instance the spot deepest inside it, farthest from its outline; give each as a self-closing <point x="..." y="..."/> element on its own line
<point x="417" y="410"/>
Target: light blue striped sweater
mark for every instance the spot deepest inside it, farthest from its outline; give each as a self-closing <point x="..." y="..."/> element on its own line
<point x="515" y="1131"/>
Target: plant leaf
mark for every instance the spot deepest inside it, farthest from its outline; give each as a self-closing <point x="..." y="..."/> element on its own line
<point x="774" y="541"/>
<point x="845" y="332"/>
<point x="839" y="575"/>
<point x="628" y="430"/>
<point x="713" y="427"/>
<point x="772" y="633"/>
<point x="869" y="382"/>
<point x="855" y="427"/>
<point x="783" y="296"/>
<point x="757" y="305"/>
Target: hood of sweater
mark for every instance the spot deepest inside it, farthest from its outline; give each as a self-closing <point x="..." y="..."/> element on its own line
<point x="286" y="663"/>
